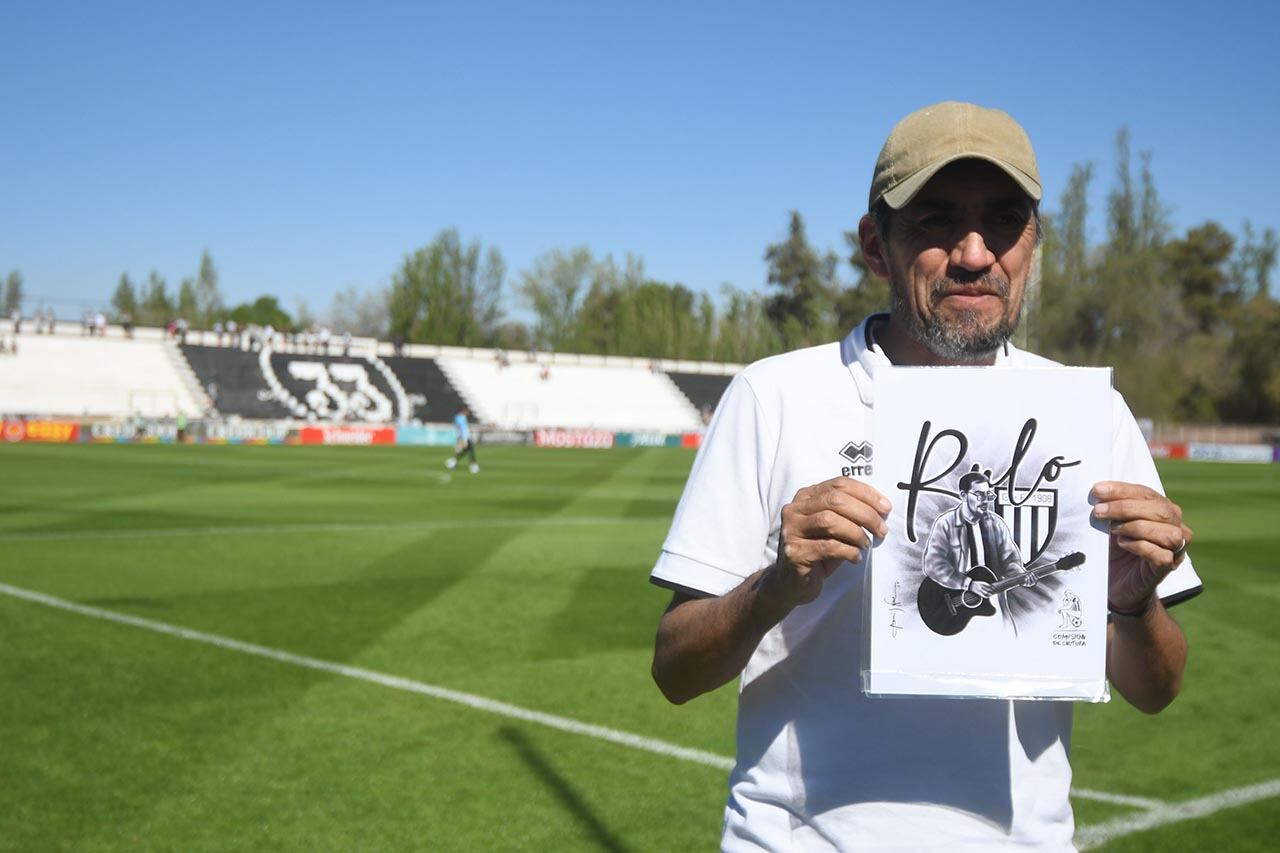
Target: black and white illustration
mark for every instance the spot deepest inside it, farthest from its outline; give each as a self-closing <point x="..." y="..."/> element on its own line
<point x="974" y="566"/>
<point x="991" y="523"/>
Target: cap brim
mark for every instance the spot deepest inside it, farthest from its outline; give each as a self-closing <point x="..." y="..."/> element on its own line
<point x="900" y="196"/>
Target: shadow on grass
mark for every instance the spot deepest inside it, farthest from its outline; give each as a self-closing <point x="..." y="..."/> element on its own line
<point x="565" y="792"/>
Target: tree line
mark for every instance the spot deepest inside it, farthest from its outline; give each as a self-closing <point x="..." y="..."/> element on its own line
<point x="1189" y="321"/>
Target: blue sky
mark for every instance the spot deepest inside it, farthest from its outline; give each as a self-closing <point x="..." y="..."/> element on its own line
<point x="310" y="146"/>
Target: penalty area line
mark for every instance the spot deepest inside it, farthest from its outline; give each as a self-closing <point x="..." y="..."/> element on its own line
<point x="1089" y="837"/>
<point x="470" y="700"/>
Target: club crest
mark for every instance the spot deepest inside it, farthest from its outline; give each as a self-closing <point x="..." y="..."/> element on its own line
<point x="1032" y="516"/>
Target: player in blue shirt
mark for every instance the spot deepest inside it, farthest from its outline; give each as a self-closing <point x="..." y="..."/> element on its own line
<point x="465" y="444"/>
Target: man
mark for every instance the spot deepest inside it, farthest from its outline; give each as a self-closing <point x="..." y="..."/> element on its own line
<point x="764" y="550"/>
<point x="971" y="535"/>
<point x="464" y="444"/>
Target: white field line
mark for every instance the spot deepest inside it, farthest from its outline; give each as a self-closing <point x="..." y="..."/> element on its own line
<point x="1088" y="837"/>
<point x="327" y="527"/>
<point x="1118" y="799"/>
<point x="1157" y="813"/>
<point x="470" y="700"/>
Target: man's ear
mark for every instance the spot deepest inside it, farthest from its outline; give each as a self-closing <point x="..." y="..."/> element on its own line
<point x="872" y="247"/>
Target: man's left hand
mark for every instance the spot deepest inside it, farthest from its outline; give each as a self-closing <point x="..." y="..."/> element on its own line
<point x="1148" y="540"/>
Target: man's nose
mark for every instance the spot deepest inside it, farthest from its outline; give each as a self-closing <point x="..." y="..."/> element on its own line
<point x="971" y="253"/>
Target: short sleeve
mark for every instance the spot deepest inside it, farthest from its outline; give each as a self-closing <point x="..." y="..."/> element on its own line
<point x="722" y="523"/>
<point x="1132" y="463"/>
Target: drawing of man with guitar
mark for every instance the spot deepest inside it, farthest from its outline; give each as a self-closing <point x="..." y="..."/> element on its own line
<point x="971" y="561"/>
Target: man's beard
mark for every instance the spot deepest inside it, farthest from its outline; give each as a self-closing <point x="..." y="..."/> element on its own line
<point x="964" y="336"/>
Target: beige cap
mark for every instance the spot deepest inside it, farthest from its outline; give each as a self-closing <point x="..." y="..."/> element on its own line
<point x="930" y="138"/>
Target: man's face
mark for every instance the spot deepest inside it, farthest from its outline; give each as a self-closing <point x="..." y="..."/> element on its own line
<point x="958" y="258"/>
<point x="977" y="500"/>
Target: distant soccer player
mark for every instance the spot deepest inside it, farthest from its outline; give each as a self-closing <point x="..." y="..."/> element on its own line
<point x="465" y="444"/>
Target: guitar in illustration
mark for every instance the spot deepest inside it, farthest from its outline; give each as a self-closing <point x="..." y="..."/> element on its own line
<point x="947" y="611"/>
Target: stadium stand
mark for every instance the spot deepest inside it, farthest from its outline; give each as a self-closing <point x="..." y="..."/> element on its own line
<point x="308" y="386"/>
<point x="703" y="389"/>
<point x="233" y="379"/>
<point x="583" y="395"/>
<point x="436" y="400"/>
<point x="74" y="375"/>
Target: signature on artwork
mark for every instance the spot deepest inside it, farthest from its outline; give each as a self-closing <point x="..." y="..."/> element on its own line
<point x="895" y="607"/>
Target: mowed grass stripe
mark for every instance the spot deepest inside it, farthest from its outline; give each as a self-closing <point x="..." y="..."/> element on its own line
<point x="320" y="527"/>
<point x="534" y="613"/>
<point x="479" y="703"/>
<point x="1089" y="837"/>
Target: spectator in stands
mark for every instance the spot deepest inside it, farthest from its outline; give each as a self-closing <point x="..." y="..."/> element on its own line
<point x="346" y="344"/>
<point x="217" y="331"/>
<point x="126" y="322"/>
<point x="100" y="320"/>
<point x="16" y="317"/>
<point x="465" y="444"/>
<point x="233" y="333"/>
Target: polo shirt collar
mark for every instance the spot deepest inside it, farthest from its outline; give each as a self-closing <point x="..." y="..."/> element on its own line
<point x="862" y="356"/>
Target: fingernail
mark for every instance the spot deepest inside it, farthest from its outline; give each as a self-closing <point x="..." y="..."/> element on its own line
<point x="1100" y="509"/>
<point x="884" y="530"/>
<point x="1102" y="490"/>
<point x="1124" y="540"/>
<point x="885" y="506"/>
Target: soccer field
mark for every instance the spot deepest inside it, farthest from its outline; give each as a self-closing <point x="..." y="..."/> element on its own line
<point x="252" y="648"/>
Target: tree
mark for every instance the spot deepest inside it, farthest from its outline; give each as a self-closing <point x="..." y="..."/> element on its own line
<point x="187" y="307"/>
<point x="868" y="294"/>
<point x="360" y="313"/>
<point x="807" y="284"/>
<point x="208" y="299"/>
<point x="303" y="317"/>
<point x="448" y="293"/>
<point x="744" y="331"/>
<point x="13" y="293"/>
<point x="555" y="288"/>
<point x="1067" y="318"/>
<point x="263" y="311"/>
<point x="1199" y="263"/>
<point x="124" y="302"/>
<point x="156" y="309"/>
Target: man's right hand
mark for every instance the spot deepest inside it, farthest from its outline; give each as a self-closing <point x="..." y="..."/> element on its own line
<point x="981" y="588"/>
<point x="824" y="526"/>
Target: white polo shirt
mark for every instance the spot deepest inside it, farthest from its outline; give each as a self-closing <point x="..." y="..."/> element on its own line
<point x="820" y="765"/>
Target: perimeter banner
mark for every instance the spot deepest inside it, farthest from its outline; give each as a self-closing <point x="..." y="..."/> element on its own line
<point x="596" y="439"/>
<point x="53" y="432"/>
<point x="347" y="435"/>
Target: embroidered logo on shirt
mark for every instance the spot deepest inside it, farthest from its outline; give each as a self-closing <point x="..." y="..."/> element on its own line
<point x="857" y="452"/>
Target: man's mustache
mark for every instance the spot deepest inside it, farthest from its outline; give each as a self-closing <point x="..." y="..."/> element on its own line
<point x="987" y="283"/>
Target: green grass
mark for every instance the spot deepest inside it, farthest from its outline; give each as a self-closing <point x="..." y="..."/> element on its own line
<point x="526" y="584"/>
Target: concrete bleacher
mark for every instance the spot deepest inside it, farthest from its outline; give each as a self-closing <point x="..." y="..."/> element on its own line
<point x="584" y="395"/>
<point x="71" y="375"/>
<point x="704" y="390"/>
